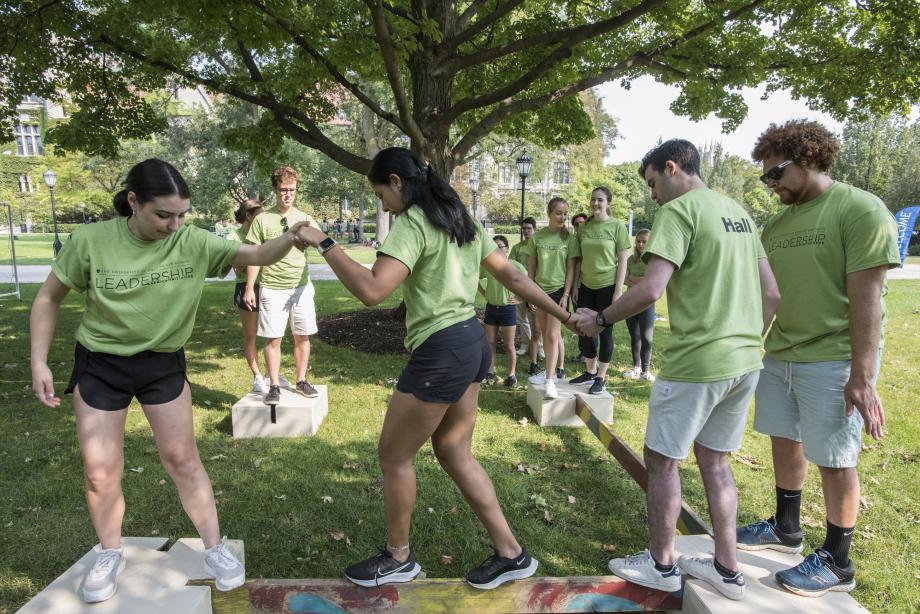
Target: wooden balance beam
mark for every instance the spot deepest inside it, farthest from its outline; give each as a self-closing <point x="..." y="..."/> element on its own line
<point x="689" y="522"/>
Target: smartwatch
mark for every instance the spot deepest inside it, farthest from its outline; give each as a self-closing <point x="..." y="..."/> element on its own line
<point x="600" y="320"/>
<point x="325" y="245"/>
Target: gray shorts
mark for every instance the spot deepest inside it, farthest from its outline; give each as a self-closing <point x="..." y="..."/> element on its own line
<point x="803" y="401"/>
<point x="712" y="414"/>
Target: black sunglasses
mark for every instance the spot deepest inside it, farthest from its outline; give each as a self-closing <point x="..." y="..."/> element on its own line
<point x="284" y="224"/>
<point x="775" y="173"/>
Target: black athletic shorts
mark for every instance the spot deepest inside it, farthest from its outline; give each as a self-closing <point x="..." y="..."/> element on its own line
<point x="446" y="363"/>
<point x="556" y="295"/>
<point x="500" y="315"/>
<point x="238" y="297"/>
<point x="109" y="382"/>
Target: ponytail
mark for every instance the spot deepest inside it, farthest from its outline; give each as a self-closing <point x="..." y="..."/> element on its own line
<point x="148" y="180"/>
<point x="424" y="188"/>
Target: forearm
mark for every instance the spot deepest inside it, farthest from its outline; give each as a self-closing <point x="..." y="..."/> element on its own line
<point x="523" y="286"/>
<point x="621" y="276"/>
<point x="42" y="321"/>
<point x="569" y="276"/>
<point x="252" y="274"/>
<point x="273" y="250"/>
<point x="356" y="278"/>
<point x="639" y="298"/>
<point x="865" y="336"/>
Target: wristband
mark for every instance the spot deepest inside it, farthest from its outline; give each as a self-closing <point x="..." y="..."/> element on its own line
<point x="568" y="318"/>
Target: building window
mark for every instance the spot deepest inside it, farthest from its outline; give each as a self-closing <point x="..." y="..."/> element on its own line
<point x="506" y="173"/>
<point x="561" y="174"/>
<point x="31" y="98"/>
<point x="25" y="184"/>
<point x="29" y="140"/>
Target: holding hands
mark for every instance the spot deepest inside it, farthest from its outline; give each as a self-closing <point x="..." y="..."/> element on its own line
<point x="307" y="235"/>
<point x="588" y="326"/>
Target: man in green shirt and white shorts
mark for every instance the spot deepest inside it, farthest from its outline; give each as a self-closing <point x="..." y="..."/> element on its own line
<point x="830" y="248"/>
<point x="286" y="293"/>
<point x="721" y="293"/>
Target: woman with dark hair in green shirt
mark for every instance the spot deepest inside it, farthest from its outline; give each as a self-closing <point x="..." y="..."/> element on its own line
<point x="434" y="252"/>
<point x="142" y="273"/>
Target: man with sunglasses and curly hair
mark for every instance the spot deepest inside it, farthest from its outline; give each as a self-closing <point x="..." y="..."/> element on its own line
<point x="286" y="294"/>
<point x="829" y="250"/>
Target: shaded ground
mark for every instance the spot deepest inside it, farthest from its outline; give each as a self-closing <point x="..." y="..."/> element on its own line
<point x="373" y="331"/>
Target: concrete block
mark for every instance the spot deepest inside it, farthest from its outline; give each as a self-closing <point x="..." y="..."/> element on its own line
<point x="561" y="411"/>
<point x="148" y="585"/>
<point x="294" y="416"/>
<point x="763" y="595"/>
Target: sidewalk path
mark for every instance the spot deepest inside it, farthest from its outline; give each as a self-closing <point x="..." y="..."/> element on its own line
<point x="36" y="274"/>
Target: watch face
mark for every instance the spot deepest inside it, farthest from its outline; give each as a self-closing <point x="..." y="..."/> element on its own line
<point x="600" y="320"/>
<point x="327" y="243"/>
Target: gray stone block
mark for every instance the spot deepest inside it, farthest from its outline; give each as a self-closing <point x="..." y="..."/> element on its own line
<point x="294" y="416"/>
<point x="561" y="411"/>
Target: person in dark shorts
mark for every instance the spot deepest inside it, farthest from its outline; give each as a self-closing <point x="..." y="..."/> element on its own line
<point x="143" y="273"/>
<point x="501" y="312"/>
<point x="434" y="251"/>
<point x="641" y="326"/>
<point x="249" y="315"/>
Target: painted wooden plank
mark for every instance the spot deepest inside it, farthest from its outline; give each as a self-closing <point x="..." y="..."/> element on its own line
<point x="689" y="522"/>
<point x="534" y="595"/>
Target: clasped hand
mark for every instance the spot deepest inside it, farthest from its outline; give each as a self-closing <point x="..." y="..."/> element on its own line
<point x="307" y="235"/>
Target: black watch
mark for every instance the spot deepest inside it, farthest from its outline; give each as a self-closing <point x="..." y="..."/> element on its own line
<point x="325" y="245"/>
<point x="600" y="320"/>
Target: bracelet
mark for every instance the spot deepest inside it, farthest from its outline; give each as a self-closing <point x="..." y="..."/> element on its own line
<point x="568" y="318"/>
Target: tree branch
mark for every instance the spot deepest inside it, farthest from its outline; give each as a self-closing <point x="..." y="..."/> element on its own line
<point x="333" y="70"/>
<point x="471" y="11"/>
<point x="467" y="34"/>
<point x="385" y="41"/>
<point x="561" y="52"/>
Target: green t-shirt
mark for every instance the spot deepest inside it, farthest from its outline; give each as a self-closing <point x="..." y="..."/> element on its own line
<point x="714" y="304"/>
<point x="292" y="270"/>
<point x="238" y="234"/>
<point x="599" y="243"/>
<point x="497" y="294"/>
<point x="812" y="248"/>
<point x="635" y="267"/>
<point x="552" y="253"/>
<point x="441" y="287"/>
<point x="517" y="254"/>
<point x="140" y="295"/>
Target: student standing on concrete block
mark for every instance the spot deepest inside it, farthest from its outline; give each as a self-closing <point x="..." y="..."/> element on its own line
<point x="600" y="271"/>
<point x="531" y="340"/>
<point x="248" y="210"/>
<point x="551" y="264"/>
<point x="830" y="249"/>
<point x="286" y="294"/>
<point x="143" y="273"/>
<point x="721" y="297"/>
<point x="434" y="252"/>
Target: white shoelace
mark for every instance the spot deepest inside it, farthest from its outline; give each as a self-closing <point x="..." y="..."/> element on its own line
<point x="105" y="562"/>
<point x="222" y="556"/>
<point x="638" y="559"/>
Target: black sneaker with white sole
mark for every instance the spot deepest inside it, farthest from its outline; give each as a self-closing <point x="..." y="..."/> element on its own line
<point x="303" y="387"/>
<point x="496" y="570"/>
<point x="585" y="378"/>
<point x="382" y="569"/>
<point x="598" y="386"/>
<point x="274" y="395"/>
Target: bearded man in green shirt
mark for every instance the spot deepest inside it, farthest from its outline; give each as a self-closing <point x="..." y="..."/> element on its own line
<point x="830" y="249"/>
<point x="721" y="296"/>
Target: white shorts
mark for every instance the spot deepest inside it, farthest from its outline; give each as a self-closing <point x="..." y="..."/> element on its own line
<point x="278" y="307"/>
<point x="712" y="414"/>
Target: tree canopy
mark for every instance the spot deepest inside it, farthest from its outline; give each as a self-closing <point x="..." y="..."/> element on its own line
<point x="446" y="74"/>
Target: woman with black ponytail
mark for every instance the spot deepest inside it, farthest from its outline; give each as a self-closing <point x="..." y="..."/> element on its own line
<point x="434" y="251"/>
<point x="142" y="273"/>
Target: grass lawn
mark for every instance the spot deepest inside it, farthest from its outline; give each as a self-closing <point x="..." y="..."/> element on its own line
<point x="270" y="492"/>
<point x="38" y="249"/>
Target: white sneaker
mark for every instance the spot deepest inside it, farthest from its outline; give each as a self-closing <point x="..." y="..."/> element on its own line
<point x="541" y="354"/>
<point x="522" y="350"/>
<point x="101" y="581"/>
<point x="550" y="391"/>
<point x="633" y="373"/>
<point x="539" y="379"/>
<point x="224" y="567"/>
<point x="703" y="568"/>
<point x="647" y="376"/>
<point x="640" y="569"/>
<point x="259" y="384"/>
<point x="284" y="383"/>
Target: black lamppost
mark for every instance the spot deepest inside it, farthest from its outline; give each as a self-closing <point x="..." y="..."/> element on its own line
<point x="523" y="167"/>
<point x="50" y="178"/>
<point x="474" y="188"/>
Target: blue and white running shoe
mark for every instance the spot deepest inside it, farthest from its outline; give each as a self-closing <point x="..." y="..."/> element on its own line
<point x="765" y="535"/>
<point x="817" y="575"/>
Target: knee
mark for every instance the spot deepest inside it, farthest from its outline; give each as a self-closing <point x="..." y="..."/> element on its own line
<point x="181" y="464"/>
<point x="273" y="344"/>
<point x="658" y="463"/>
<point x="451" y="456"/>
<point x="709" y="459"/>
<point x="100" y="477"/>
<point x="389" y="460"/>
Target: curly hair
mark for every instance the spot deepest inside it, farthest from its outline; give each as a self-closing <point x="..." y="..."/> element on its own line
<point x="802" y="141"/>
<point x="283" y="173"/>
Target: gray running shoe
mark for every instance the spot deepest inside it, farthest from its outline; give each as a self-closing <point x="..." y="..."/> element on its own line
<point x="304" y="388"/>
<point x="224" y="567"/>
<point x="274" y="395"/>
<point x="101" y="581"/>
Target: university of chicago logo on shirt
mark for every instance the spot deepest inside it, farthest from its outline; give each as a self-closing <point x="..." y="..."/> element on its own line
<point x="799" y="238"/>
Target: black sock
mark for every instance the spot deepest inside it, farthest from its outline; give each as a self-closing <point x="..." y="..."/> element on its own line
<point x="659" y="566"/>
<point x="788" y="505"/>
<point x="724" y="571"/>
<point x="837" y="543"/>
